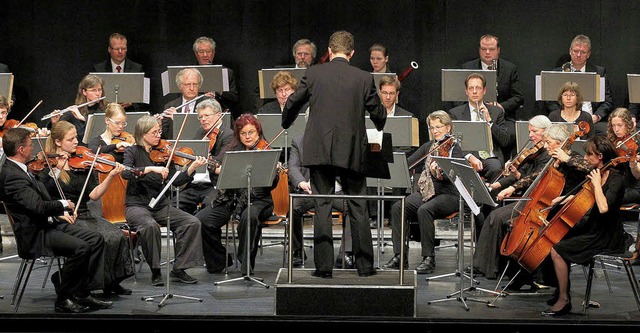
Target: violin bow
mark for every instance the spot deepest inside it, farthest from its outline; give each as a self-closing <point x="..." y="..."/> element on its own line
<point x="86" y="180"/>
<point x="55" y="179"/>
<point x="275" y="138"/>
<point x="28" y="114"/>
<point x="184" y="121"/>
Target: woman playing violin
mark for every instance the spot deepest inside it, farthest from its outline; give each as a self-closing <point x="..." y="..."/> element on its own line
<point x="90" y="88"/>
<point x="64" y="141"/>
<point x="247" y="136"/>
<point x="600" y="231"/>
<point x="114" y="139"/>
<point x="619" y="131"/>
<point x="142" y="189"/>
<point x="570" y="100"/>
<point x="436" y="199"/>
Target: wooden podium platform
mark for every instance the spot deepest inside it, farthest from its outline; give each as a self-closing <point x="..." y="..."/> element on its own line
<point x="346" y="294"/>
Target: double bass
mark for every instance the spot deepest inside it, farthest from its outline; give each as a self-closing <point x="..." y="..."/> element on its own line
<point x="532" y="216"/>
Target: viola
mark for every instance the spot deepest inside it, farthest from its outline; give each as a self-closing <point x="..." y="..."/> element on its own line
<point x="39" y="163"/>
<point x="181" y="156"/>
<point x="84" y="157"/>
<point x="124" y="137"/>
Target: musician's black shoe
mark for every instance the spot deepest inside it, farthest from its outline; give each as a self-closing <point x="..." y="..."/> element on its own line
<point x="476" y="271"/>
<point x="68" y="305"/>
<point x="180" y="275"/>
<point x="427" y="265"/>
<point x="394" y="263"/>
<point x="93" y="302"/>
<point x="298" y="258"/>
<point x="324" y="275"/>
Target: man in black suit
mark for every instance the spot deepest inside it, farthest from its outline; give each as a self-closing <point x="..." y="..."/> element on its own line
<point x="335" y="145"/>
<point x="189" y="80"/>
<point x="45" y="227"/>
<point x="488" y="164"/>
<point x="204" y="48"/>
<point x="118" y="62"/>
<point x="510" y="96"/>
<point x="580" y="51"/>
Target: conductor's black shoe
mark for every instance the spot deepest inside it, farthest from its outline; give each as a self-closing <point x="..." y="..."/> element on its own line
<point x="93" y="302"/>
<point x="68" y="305"/>
<point x="157" y="280"/>
<point x="297" y="258"/>
<point x="427" y="265"/>
<point x="179" y="275"/>
<point x="394" y="263"/>
<point x="324" y="275"/>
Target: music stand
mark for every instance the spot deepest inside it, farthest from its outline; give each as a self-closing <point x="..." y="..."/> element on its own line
<point x="96" y="124"/>
<point x="248" y="169"/>
<point x="522" y="131"/>
<point x="192" y="127"/>
<point x="472" y="189"/>
<point x="215" y="78"/>
<point x="125" y="87"/>
<point x="473" y="135"/>
<point x="403" y="129"/>
<point x="453" y="81"/>
<point x="548" y="84"/>
<point x="6" y="85"/>
<point x="400" y="178"/>
<point x="167" y="294"/>
<point x="272" y="125"/>
<point x="633" y="85"/>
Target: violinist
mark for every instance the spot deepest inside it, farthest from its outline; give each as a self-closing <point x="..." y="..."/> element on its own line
<point x="570" y="100"/>
<point x="141" y="189"/>
<point x="437" y="197"/>
<point x="282" y="84"/>
<point x="247" y="135"/>
<point x="63" y="141"/>
<point x="5" y="123"/>
<point x="599" y="231"/>
<point x="194" y="195"/>
<point x="90" y="88"/>
<point x="114" y="139"/>
<point x="486" y="256"/>
<point x="620" y="130"/>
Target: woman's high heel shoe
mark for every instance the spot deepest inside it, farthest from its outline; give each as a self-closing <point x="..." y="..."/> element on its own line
<point x="566" y="309"/>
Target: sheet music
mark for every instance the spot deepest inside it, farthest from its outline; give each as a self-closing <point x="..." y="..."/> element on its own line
<point x="467" y="196"/>
<point x="374" y="136"/>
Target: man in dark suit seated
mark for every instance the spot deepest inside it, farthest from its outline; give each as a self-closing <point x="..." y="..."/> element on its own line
<point x="204" y="48"/>
<point x="119" y="63"/>
<point x="580" y="51"/>
<point x="45" y="227"/>
<point x="488" y="164"/>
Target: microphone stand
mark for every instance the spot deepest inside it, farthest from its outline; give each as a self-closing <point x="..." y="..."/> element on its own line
<point x="167" y="294"/>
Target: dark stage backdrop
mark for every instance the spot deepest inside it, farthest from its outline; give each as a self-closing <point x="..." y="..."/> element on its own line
<point x="51" y="45"/>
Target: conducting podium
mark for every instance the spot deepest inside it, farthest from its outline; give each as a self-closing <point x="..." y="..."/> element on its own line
<point x="215" y="78"/>
<point x="125" y="87"/>
<point x="548" y="84"/>
<point x="453" y="84"/>
<point x="265" y="76"/>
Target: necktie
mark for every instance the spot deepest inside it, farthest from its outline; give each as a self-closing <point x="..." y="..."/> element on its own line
<point x="483" y="153"/>
<point x="118" y="68"/>
<point x="186" y="109"/>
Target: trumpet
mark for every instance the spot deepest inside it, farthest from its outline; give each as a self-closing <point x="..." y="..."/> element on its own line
<point x="413" y="66"/>
<point x="60" y="112"/>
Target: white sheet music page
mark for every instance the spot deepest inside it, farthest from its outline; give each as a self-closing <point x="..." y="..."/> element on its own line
<point x="467" y="196"/>
<point x="374" y="136"/>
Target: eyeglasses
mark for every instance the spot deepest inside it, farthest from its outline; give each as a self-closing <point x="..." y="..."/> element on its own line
<point x="205" y="51"/>
<point x="206" y="115"/>
<point x="437" y="127"/>
<point x="118" y="123"/>
<point x="4" y="113"/>
<point x="155" y="133"/>
<point x="250" y="133"/>
<point x="388" y="93"/>
<point x="567" y="95"/>
<point x="579" y="52"/>
<point x="118" y="49"/>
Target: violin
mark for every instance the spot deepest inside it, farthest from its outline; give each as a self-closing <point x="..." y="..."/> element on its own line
<point x="213" y="136"/>
<point x="525" y="155"/>
<point x="124" y="137"/>
<point x="84" y="157"/>
<point x="12" y="123"/>
<point x="441" y="148"/>
<point x="39" y="163"/>
<point x="182" y="155"/>
<point x="627" y="145"/>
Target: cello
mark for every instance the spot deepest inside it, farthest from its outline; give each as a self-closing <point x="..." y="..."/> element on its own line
<point x="547" y="186"/>
<point x="570" y="214"/>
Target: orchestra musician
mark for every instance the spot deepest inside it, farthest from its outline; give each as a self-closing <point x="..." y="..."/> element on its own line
<point x="600" y="231"/>
<point x="46" y="227"/>
<point x="570" y="101"/>
<point x="63" y="142"/>
<point x="437" y="198"/>
<point x="620" y="129"/>
<point x="336" y="146"/>
<point x="112" y="141"/>
<point x="486" y="257"/>
<point x="90" y="88"/>
<point x="141" y="189"/>
<point x="228" y="203"/>
<point x="304" y="52"/>
<point x="379" y="58"/>
<point x="282" y="84"/>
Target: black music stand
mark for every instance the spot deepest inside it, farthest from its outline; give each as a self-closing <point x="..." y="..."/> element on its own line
<point x="167" y="294"/>
<point x="400" y="178"/>
<point x="125" y="87"/>
<point x="472" y="189"/>
<point x="248" y="169"/>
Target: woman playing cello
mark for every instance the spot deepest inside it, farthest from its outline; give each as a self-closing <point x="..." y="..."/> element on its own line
<point x="600" y="230"/>
<point x="64" y="142"/>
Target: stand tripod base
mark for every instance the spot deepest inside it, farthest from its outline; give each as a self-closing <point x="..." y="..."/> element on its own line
<point x="166" y="296"/>
<point x="456" y="273"/>
<point x="245" y="278"/>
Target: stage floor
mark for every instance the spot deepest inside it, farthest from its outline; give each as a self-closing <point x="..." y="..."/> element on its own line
<point x="246" y="303"/>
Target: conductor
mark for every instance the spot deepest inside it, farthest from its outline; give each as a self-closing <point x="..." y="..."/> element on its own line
<point x="335" y="145"/>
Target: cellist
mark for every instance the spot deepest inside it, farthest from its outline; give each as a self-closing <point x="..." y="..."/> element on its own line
<point x="600" y="230"/>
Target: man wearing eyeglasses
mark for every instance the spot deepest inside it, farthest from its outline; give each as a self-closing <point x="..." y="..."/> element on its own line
<point x="204" y="48"/>
<point x="580" y="51"/>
